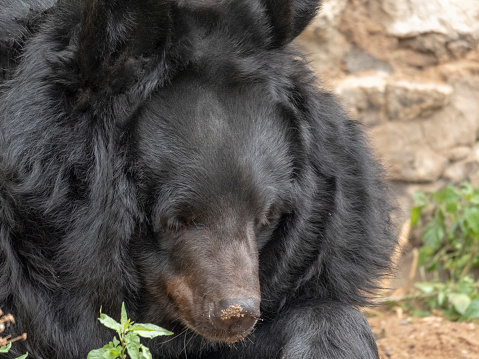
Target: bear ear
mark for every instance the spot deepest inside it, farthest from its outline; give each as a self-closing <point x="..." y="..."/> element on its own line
<point x="289" y="18"/>
<point x="119" y="37"/>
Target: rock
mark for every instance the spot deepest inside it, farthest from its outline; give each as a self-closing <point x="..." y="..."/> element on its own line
<point x="459" y="48"/>
<point x="330" y="14"/>
<point x="473" y="176"/>
<point x="358" y="60"/>
<point x="458" y="124"/>
<point x="325" y="50"/>
<point x="408" y="101"/>
<point x="364" y="97"/>
<point x="474" y="154"/>
<point x="465" y="100"/>
<point x="413" y="17"/>
<point x="417" y="163"/>
<point x="456" y="173"/>
<point x="322" y="41"/>
<point x="405" y="156"/>
<point x="430" y="43"/>
<point x="466" y="170"/>
<point x="459" y="153"/>
<point x="449" y="129"/>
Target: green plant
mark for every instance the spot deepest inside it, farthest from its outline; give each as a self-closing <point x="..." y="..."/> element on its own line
<point x="6" y="349"/>
<point x="456" y="300"/>
<point x="6" y="341"/>
<point x="450" y="235"/>
<point x="128" y="340"/>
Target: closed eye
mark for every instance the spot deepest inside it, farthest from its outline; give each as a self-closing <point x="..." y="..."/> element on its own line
<point x="267" y="218"/>
<point x="177" y="223"/>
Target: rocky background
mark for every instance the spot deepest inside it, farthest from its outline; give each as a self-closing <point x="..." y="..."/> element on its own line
<point x="409" y="70"/>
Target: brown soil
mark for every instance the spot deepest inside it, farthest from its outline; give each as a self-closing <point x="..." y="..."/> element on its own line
<point x="401" y="337"/>
<point x="424" y="338"/>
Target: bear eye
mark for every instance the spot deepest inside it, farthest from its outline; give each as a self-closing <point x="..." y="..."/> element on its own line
<point x="266" y="218"/>
<point x="261" y="223"/>
<point x="176" y="223"/>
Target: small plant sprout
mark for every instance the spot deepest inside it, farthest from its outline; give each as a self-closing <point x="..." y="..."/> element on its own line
<point x="6" y="342"/>
<point x="128" y="341"/>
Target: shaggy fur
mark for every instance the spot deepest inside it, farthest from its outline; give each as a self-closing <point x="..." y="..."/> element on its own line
<point x="175" y="155"/>
<point x="18" y="19"/>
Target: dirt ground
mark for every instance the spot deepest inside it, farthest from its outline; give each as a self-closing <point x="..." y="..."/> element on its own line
<point x="401" y="337"/>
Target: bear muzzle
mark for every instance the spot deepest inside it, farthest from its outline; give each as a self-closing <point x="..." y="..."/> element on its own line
<point x="235" y="316"/>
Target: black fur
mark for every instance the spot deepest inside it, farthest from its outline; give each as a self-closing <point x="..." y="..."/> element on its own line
<point x="145" y="143"/>
<point x="18" y="19"/>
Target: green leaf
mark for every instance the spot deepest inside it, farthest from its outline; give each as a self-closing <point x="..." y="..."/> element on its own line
<point x="440" y="298"/>
<point x="432" y="303"/>
<point x="133" y="345"/>
<point x="420" y="199"/>
<point x="447" y="195"/>
<point x="472" y="311"/>
<point x="472" y="217"/>
<point x="451" y="314"/>
<point x="451" y="232"/>
<point x="452" y="194"/>
<point x="145" y="353"/>
<point x="467" y="188"/>
<point x="149" y="330"/>
<point x="6" y="348"/>
<point x="96" y="354"/>
<point x="115" y="342"/>
<point x="460" y="262"/>
<point x="23" y="356"/>
<point x="424" y="254"/>
<point x="113" y="353"/>
<point x="124" y="317"/>
<point x="110" y="322"/>
<point x="433" y="234"/>
<point x="474" y="199"/>
<point x="415" y="215"/>
<point x="425" y="287"/>
<point x="451" y="207"/>
<point x="467" y="286"/>
<point x="421" y="313"/>
<point x="432" y="266"/>
<point x="133" y="350"/>
<point x="459" y="301"/>
<point x="132" y="337"/>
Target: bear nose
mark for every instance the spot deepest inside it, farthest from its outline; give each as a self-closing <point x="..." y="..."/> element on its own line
<point x="236" y="315"/>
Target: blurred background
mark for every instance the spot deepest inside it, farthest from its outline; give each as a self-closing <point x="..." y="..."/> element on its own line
<point x="409" y="71"/>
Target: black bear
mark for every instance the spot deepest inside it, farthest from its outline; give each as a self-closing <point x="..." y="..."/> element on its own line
<point x="177" y="156"/>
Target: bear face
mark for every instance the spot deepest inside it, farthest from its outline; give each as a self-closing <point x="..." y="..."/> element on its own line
<point x="213" y="207"/>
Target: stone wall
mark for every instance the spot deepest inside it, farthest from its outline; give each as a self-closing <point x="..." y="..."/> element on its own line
<point x="409" y="70"/>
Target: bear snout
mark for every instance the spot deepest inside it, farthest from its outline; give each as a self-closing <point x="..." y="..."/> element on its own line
<point x="235" y="316"/>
